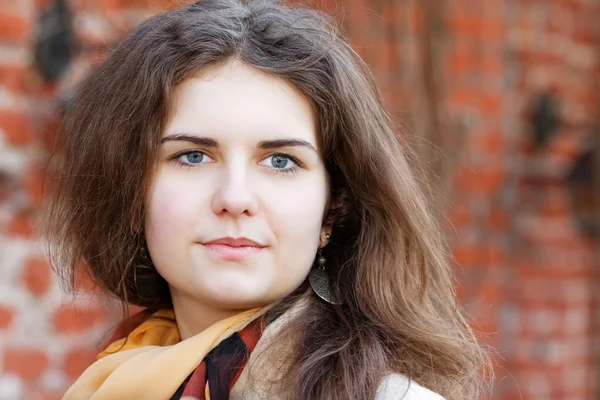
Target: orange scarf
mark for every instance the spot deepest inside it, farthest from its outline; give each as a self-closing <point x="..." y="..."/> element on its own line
<point x="152" y="362"/>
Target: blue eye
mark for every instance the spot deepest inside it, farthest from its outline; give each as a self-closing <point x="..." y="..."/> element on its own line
<point x="193" y="157"/>
<point x="279" y="161"/>
<point x="282" y="163"/>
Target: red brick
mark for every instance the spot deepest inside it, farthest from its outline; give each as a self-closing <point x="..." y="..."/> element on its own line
<point x="492" y="29"/>
<point x="493" y="292"/>
<point x="484" y="182"/>
<point x="467" y="255"/>
<point x="21" y="225"/>
<point x="37" y="85"/>
<point x="462" y="61"/>
<point x="463" y="97"/>
<point x="28" y="363"/>
<point x="498" y="219"/>
<point x="16" y="127"/>
<point x="77" y="360"/>
<point x="72" y="319"/>
<point x="34" y="186"/>
<point x="14" y="28"/>
<point x="387" y="54"/>
<point x="492" y="142"/>
<point x="491" y="66"/>
<point x="459" y="217"/>
<point x="475" y="27"/>
<point x="490" y="104"/>
<point x="486" y="319"/>
<point x="7" y="316"/>
<point x="37" y="275"/>
<point x="493" y="255"/>
<point x="12" y="77"/>
<point x="48" y="138"/>
<point x="491" y="180"/>
<point x="418" y="17"/>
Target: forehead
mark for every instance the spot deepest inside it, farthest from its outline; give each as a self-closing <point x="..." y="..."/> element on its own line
<point x="236" y="98"/>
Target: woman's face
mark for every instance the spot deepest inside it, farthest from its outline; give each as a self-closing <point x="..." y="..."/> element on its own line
<point x="236" y="209"/>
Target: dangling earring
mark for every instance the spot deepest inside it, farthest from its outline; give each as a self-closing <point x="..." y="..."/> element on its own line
<point x="319" y="281"/>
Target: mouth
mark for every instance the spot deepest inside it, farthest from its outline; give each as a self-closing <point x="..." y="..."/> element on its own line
<point x="234" y="249"/>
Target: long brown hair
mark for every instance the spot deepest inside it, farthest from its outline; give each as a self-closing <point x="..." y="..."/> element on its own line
<point x="386" y="254"/>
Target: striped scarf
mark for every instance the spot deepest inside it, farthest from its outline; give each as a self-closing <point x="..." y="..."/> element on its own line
<point x="148" y="345"/>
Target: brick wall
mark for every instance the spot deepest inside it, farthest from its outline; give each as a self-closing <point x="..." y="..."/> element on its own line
<point x="554" y="46"/>
<point x="526" y="269"/>
<point x="526" y="266"/>
<point x="47" y="338"/>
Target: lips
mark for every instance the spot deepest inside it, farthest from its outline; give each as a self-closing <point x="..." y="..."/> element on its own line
<point x="233" y="249"/>
<point x="235" y="242"/>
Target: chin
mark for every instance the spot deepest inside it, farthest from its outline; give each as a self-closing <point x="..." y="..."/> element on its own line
<point x="236" y="291"/>
<point x="244" y="296"/>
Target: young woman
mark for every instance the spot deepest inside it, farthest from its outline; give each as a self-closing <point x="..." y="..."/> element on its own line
<point x="230" y="168"/>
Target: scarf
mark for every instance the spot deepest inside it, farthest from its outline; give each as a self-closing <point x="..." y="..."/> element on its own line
<point x="147" y="359"/>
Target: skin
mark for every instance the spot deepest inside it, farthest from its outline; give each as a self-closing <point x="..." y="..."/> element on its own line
<point x="235" y="182"/>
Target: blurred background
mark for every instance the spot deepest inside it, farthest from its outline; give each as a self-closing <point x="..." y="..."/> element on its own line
<point x="501" y="99"/>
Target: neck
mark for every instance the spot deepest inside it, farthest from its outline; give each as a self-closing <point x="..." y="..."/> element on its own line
<point x="195" y="315"/>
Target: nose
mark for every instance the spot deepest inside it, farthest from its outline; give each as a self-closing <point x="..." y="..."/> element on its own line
<point x="233" y="194"/>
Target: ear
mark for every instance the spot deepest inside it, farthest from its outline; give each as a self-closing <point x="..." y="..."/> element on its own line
<point x="328" y="223"/>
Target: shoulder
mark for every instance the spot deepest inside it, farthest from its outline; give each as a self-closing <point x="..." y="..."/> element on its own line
<point x="399" y="387"/>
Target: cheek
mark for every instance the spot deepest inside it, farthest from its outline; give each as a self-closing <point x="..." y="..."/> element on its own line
<point x="297" y="217"/>
<point x="297" y="233"/>
<point x="171" y="211"/>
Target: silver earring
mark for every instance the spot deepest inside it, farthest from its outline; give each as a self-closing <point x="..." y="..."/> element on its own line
<point x="319" y="282"/>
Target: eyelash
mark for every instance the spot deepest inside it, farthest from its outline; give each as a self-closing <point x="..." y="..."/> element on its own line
<point x="289" y="171"/>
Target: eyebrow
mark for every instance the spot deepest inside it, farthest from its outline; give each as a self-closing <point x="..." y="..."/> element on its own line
<point x="274" y="144"/>
<point x="264" y="145"/>
<point x="200" y="141"/>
